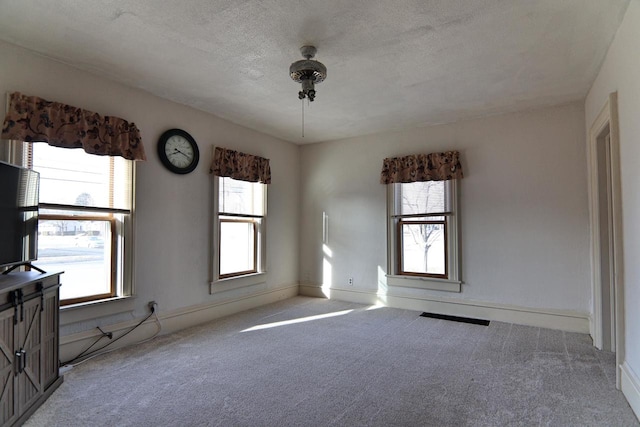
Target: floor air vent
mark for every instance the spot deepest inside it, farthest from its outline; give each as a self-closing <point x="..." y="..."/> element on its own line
<point x="456" y="319"/>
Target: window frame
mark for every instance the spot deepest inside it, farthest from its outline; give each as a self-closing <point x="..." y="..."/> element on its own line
<point x="224" y="282"/>
<point x="239" y="220"/>
<point x="451" y="280"/>
<point x="122" y="245"/>
<point x="403" y="220"/>
<point x="113" y="256"/>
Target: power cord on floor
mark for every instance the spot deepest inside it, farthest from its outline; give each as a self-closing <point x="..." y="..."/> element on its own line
<point x="86" y="355"/>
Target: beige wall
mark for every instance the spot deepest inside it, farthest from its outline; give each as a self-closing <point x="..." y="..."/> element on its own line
<point x="173" y="212"/>
<point x="524" y="213"/>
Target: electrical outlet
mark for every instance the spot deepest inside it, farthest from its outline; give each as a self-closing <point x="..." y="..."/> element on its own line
<point x="350" y="281"/>
<point x="152" y="306"/>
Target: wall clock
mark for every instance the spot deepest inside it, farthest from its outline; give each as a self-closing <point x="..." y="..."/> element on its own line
<point x="178" y="151"/>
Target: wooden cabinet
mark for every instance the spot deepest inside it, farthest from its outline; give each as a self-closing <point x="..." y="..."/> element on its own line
<point x="29" y="339"/>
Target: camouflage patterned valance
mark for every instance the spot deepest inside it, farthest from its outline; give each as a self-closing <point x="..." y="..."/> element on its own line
<point x="421" y="167"/>
<point x="34" y="119"/>
<point x="240" y="166"/>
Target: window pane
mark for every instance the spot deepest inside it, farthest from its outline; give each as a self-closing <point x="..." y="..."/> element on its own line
<point x="241" y="197"/>
<point x="80" y="248"/>
<point x="423" y="248"/>
<point x="237" y="247"/>
<point x="73" y="177"/>
<point x="423" y="197"/>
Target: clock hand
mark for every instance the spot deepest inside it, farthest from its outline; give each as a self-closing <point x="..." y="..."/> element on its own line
<point x="178" y="151"/>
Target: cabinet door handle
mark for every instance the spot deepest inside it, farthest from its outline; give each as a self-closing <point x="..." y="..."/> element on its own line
<point x="23" y="360"/>
<point x="18" y="362"/>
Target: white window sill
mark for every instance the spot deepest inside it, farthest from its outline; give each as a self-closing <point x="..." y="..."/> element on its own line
<point x="424" y="283"/>
<point x="231" y="283"/>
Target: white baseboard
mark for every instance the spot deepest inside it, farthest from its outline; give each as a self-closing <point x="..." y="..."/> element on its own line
<point x="172" y="321"/>
<point x="312" y="291"/>
<point x="630" y="385"/>
<point x="565" y="320"/>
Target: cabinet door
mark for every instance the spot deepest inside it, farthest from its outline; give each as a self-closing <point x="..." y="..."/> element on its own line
<point x="50" y="321"/>
<point x="29" y="340"/>
<point x="8" y="402"/>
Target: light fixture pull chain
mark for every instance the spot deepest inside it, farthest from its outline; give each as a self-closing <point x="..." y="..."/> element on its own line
<point x="302" y="101"/>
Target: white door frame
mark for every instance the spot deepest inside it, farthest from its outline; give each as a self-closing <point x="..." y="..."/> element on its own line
<point x="608" y="117"/>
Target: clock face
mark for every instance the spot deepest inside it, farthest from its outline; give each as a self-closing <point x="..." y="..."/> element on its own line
<point x="178" y="151"/>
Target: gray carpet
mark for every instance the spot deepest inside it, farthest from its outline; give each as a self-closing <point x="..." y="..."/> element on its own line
<point x="357" y="367"/>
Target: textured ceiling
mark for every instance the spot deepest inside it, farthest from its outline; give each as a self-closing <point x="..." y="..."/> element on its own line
<point x="391" y="64"/>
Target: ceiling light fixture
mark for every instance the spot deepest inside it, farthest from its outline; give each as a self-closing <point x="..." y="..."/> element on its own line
<point x="308" y="72"/>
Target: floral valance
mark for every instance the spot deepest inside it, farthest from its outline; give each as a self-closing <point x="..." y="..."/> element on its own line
<point x="34" y="119"/>
<point x="421" y="167"/>
<point x="240" y="166"/>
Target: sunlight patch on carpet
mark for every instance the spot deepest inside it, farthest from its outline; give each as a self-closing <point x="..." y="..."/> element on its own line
<point x="298" y="320"/>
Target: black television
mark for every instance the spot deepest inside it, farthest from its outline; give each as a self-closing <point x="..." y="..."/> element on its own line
<point x="19" y="195"/>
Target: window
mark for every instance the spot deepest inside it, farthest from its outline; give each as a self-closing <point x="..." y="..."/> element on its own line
<point x="85" y="218"/>
<point x="240" y="218"/>
<point x="423" y="230"/>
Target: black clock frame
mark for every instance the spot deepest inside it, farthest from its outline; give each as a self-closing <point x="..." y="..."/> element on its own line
<point x="163" y="155"/>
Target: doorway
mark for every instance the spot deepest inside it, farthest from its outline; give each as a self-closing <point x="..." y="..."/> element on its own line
<point x="607" y="327"/>
<point x="607" y="254"/>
